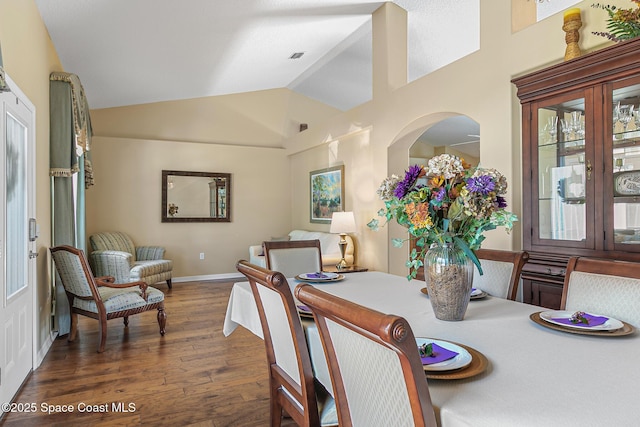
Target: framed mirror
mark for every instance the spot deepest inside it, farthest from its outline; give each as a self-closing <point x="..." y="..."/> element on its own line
<point x="196" y="196"/>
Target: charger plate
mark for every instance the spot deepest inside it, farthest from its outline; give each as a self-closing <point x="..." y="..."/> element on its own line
<point x="477" y="366"/>
<point x="626" y="328"/>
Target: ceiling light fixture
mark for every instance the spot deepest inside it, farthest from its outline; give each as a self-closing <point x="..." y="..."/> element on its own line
<point x="296" y="55"/>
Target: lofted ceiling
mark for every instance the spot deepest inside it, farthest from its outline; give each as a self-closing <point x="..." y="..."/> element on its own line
<point x="129" y="52"/>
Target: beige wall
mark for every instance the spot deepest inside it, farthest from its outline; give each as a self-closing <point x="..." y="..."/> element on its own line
<point x="29" y="58"/>
<point x="261" y="118"/>
<point x="127" y="197"/>
<point x="240" y="134"/>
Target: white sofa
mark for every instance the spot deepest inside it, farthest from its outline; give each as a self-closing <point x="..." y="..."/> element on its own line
<point x="328" y="245"/>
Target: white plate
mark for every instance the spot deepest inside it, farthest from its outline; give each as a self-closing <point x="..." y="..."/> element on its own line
<point x="475" y="292"/>
<point x="460" y="361"/>
<point x="327" y="276"/>
<point x="609" y="325"/>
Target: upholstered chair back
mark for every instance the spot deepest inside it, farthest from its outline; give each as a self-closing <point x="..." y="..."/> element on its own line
<point x="607" y="287"/>
<point x="375" y="368"/>
<point x="501" y="272"/>
<point x="291" y="378"/>
<point x="113" y="241"/>
<point x="72" y="273"/>
<point x="294" y="257"/>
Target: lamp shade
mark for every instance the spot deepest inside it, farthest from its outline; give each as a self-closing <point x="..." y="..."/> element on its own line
<point x="343" y="222"/>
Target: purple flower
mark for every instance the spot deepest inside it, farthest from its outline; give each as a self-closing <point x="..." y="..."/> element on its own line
<point x="409" y="180"/>
<point x="502" y="203"/>
<point x="482" y="184"/>
<point x="441" y="194"/>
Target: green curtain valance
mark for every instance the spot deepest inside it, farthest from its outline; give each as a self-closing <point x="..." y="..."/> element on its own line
<point x="70" y="127"/>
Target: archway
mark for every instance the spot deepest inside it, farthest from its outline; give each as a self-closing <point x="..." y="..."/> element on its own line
<point x="446" y="132"/>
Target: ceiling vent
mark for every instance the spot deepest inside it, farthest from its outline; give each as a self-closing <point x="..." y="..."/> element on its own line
<point x="296" y="55"/>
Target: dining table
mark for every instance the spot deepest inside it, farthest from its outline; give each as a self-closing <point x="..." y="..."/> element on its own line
<point x="531" y="375"/>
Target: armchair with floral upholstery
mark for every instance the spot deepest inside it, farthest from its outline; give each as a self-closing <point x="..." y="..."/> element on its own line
<point x="114" y="254"/>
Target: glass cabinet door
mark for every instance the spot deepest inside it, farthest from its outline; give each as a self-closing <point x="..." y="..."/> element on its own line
<point x="564" y="167"/>
<point x="624" y="175"/>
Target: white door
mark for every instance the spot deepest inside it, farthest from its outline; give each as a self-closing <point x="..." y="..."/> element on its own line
<point x="17" y="266"/>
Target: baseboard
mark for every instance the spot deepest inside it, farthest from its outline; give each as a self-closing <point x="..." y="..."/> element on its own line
<point x="224" y="277"/>
<point x="42" y="352"/>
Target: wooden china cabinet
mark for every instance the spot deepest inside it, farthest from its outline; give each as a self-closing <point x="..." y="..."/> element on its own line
<point x="581" y="165"/>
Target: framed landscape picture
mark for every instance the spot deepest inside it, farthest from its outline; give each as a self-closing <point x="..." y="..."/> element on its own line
<point x="327" y="193"/>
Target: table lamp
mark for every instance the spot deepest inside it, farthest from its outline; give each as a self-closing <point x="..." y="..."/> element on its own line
<point x="343" y="223"/>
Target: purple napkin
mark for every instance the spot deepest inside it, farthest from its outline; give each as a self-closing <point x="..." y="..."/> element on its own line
<point x="593" y="320"/>
<point x="303" y="308"/>
<point x="316" y="275"/>
<point x="440" y="354"/>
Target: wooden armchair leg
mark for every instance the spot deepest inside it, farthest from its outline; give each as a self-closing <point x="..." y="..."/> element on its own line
<point x="162" y="319"/>
<point x="74" y="327"/>
<point x="126" y="321"/>
<point x="103" y="334"/>
<point x="169" y="283"/>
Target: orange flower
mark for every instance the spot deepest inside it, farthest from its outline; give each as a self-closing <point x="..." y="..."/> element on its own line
<point x="419" y="214"/>
<point x="436" y="182"/>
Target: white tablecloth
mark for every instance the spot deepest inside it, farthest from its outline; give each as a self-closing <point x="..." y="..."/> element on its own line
<point x="536" y="376"/>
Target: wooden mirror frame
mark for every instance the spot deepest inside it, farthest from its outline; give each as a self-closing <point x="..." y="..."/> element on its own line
<point x="213" y="176"/>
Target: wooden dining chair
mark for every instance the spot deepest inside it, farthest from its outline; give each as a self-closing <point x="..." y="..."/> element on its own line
<point x="501" y="272"/>
<point x="601" y="286"/>
<point x="293" y="257"/>
<point x="291" y="382"/>
<point x="99" y="297"/>
<point x="377" y="375"/>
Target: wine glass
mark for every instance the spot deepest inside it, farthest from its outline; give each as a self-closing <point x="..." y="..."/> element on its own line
<point x="625" y="115"/>
<point x="552" y="128"/>
<point x="567" y="128"/>
<point x="616" y="115"/>
<point x="577" y="124"/>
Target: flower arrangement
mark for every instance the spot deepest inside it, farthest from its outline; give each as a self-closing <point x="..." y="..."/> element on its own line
<point x="623" y="24"/>
<point x="447" y="201"/>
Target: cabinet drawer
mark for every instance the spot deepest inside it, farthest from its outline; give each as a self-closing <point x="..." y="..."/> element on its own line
<point x="531" y="269"/>
<point x="543" y="294"/>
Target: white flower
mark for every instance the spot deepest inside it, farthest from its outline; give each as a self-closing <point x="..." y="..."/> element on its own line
<point x="446" y="165"/>
<point x="385" y="191"/>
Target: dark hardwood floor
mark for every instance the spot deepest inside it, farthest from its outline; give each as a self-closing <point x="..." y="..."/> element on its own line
<point x="193" y="376"/>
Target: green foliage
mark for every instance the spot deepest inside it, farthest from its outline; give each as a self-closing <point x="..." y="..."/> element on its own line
<point x="622" y="24"/>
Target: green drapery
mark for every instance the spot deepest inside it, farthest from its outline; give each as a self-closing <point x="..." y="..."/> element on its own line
<point x="70" y="171"/>
<point x="3" y="81"/>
